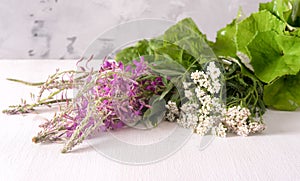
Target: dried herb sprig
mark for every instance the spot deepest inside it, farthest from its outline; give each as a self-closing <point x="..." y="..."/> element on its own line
<point x="56" y="84"/>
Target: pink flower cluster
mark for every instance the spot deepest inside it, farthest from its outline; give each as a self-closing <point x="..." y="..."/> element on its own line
<point x="119" y="93"/>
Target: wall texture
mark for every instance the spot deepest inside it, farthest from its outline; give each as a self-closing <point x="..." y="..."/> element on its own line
<point x="61" y="29"/>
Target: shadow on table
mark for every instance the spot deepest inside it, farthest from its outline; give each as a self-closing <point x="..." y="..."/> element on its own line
<point x="282" y="122"/>
<point x="278" y="123"/>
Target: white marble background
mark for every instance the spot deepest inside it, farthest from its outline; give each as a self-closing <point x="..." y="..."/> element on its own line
<point x="62" y="29"/>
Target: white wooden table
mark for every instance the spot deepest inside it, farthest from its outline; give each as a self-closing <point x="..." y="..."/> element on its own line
<point x="273" y="155"/>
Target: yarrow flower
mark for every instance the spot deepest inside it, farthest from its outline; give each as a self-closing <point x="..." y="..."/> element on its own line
<point x="213" y="71"/>
<point x="202" y="109"/>
<point x="238" y="120"/>
<point x="188" y="117"/>
<point x="172" y="113"/>
<point x="221" y="130"/>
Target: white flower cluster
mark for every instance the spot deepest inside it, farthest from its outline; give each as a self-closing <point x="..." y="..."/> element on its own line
<point x="237" y="120"/>
<point x="203" y="108"/>
<point x="208" y="81"/>
<point x="188" y="117"/>
<point x="214" y="73"/>
<point x="172" y="111"/>
<point x="203" y="111"/>
<point x="221" y="130"/>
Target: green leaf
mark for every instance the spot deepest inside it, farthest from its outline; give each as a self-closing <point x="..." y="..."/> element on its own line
<point x="186" y="35"/>
<point x="183" y="43"/>
<point x="169" y="87"/>
<point x="163" y="68"/>
<point x="257" y="22"/>
<point x="295" y="32"/>
<point x="286" y="10"/>
<point x="280" y="8"/>
<point x="156" y="113"/>
<point x="175" y="53"/>
<point x="274" y="55"/>
<point x="284" y="93"/>
<point x="226" y="42"/>
<point x="181" y="30"/>
<point x="132" y="53"/>
<point x="295" y="16"/>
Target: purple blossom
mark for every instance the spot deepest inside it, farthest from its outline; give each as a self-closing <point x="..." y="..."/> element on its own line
<point x="121" y="93"/>
<point x="141" y="67"/>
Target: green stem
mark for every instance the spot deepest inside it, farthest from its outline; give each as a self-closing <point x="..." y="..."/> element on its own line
<point x="16" y="109"/>
<point x="25" y="82"/>
<point x="50" y="102"/>
<point x="50" y="96"/>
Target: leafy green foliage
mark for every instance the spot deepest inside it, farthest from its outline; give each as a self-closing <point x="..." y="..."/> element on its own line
<point x="226" y="42"/>
<point x="243" y="88"/>
<point x="183" y="43"/>
<point x="152" y="116"/>
<point x="163" y="68"/>
<point x="295" y="32"/>
<point x="275" y="55"/>
<point x="133" y="53"/>
<point x="284" y="93"/>
<point x="280" y="8"/>
<point x="270" y="39"/>
<point x="257" y="22"/>
<point x="180" y="50"/>
<point x="286" y="10"/>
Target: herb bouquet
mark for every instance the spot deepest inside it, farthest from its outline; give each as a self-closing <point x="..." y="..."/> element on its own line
<point x="180" y="76"/>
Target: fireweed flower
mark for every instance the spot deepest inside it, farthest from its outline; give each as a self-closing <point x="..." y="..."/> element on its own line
<point x="108" y="99"/>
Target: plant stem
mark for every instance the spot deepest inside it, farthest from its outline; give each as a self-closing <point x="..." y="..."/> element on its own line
<point x="17" y="109"/>
<point x="25" y="82"/>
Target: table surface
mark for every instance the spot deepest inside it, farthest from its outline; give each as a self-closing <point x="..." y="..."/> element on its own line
<point x="272" y="155"/>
